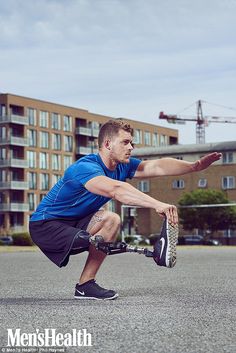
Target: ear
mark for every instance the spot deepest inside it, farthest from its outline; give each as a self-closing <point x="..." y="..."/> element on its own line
<point x="107" y="144"/>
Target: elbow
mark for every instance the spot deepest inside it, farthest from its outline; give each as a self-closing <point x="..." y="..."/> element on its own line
<point x="118" y="191"/>
<point x="123" y="193"/>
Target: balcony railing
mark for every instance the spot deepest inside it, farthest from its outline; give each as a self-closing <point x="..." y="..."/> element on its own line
<point x="14" y="140"/>
<point x="14" y="185"/>
<point x="86" y="150"/>
<point x="16" y="119"/>
<point x="14" y="207"/>
<point x="18" y="229"/>
<point x="14" y="162"/>
<point x="86" y="131"/>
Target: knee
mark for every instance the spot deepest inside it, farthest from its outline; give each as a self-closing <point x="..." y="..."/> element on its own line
<point x="112" y="219"/>
<point x="112" y="223"/>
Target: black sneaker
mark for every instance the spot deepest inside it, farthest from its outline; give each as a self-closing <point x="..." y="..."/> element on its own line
<point x="91" y="290"/>
<point x="164" y="252"/>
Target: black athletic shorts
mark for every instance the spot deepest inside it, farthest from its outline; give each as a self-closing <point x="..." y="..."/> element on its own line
<point x="60" y="238"/>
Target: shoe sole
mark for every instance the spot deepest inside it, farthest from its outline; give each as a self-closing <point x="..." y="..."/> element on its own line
<point x="94" y="298"/>
<point x="172" y="234"/>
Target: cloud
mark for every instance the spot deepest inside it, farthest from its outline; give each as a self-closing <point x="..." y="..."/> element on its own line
<point x="115" y="57"/>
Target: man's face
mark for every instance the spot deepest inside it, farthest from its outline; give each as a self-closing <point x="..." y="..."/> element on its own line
<point x="121" y="147"/>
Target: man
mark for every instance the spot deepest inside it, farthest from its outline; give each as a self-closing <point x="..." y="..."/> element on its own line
<point x="71" y="212"/>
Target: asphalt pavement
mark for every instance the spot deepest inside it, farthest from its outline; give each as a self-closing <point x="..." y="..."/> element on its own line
<point x="190" y="308"/>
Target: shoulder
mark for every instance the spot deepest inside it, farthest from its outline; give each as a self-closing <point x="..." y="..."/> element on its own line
<point x="130" y="168"/>
<point x="86" y="164"/>
<point x="90" y="161"/>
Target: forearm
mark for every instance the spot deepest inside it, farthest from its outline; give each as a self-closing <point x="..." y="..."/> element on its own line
<point x="172" y="166"/>
<point x="129" y="195"/>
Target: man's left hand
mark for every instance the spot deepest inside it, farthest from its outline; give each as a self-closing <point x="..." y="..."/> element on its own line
<point x="206" y="161"/>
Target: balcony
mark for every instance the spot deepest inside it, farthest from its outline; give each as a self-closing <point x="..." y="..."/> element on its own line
<point x="87" y="131"/>
<point x="14" y="185"/>
<point x="14" y="207"/>
<point x="14" y="162"/>
<point x="16" y="119"/>
<point x="14" y="140"/>
<point x="86" y="150"/>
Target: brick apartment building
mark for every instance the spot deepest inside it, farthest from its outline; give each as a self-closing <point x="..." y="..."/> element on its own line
<point x="39" y="140"/>
<point x="220" y="176"/>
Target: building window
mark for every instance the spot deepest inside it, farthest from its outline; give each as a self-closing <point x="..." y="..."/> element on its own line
<point x="15" y="176"/>
<point x="144" y="186"/>
<point x="147" y="138"/>
<point x="31" y="156"/>
<point x="3" y="153"/>
<point x="43" y="160"/>
<point x="32" y="201"/>
<point x="31" y="113"/>
<point x="44" y="139"/>
<point x="3" y="175"/>
<point x="32" y="138"/>
<point x="43" y="119"/>
<point x="56" y="162"/>
<point x="56" y="142"/>
<point x="55" y="121"/>
<point x="178" y="184"/>
<point x="41" y="196"/>
<point x="163" y="140"/>
<point x="2" y="197"/>
<point x="67" y="161"/>
<point x="55" y="178"/>
<point x="3" y="132"/>
<point x="137" y="136"/>
<point x="228" y="182"/>
<point x="228" y="158"/>
<point x="67" y="123"/>
<point x="2" y="110"/>
<point x="111" y="206"/>
<point x="32" y="178"/>
<point x="202" y="183"/>
<point x="68" y="143"/>
<point x="155" y="141"/>
<point x="44" y="181"/>
<point x="94" y="125"/>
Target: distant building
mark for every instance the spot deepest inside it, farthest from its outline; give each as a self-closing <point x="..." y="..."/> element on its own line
<point x="39" y="140"/>
<point x="220" y="176"/>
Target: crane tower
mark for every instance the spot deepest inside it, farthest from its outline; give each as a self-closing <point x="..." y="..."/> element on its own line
<point x="201" y="121"/>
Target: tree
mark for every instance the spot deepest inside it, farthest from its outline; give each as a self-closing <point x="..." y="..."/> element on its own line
<point x="206" y="218"/>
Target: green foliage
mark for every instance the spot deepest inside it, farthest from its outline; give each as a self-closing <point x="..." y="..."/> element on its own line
<point x="204" y="218"/>
<point x="22" y="239"/>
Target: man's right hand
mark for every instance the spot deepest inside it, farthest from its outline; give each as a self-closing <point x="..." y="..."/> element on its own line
<point x="170" y="211"/>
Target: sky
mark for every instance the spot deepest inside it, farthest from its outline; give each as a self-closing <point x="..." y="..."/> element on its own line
<point x="125" y="58"/>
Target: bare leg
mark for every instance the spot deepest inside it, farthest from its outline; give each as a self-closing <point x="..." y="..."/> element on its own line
<point x="106" y="224"/>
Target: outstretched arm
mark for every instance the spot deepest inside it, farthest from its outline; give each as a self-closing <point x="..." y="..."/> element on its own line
<point x="172" y="166"/>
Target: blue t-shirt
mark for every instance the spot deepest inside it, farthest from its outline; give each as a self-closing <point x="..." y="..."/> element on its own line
<point x="70" y="199"/>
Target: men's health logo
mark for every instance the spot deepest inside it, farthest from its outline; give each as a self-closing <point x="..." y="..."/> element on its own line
<point x="48" y="338"/>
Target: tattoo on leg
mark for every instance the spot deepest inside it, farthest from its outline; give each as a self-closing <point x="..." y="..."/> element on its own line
<point x="97" y="217"/>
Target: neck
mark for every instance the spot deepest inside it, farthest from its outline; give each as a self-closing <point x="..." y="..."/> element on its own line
<point x="109" y="162"/>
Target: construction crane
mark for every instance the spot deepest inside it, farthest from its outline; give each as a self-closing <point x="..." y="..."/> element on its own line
<point x="201" y="121"/>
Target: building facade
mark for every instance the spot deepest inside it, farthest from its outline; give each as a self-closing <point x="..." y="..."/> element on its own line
<point x="219" y="176"/>
<point x="39" y="140"/>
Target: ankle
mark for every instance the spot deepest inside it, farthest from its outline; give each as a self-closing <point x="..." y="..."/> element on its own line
<point x="84" y="280"/>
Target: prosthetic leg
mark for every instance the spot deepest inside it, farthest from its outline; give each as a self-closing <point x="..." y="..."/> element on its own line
<point x="111" y="248"/>
<point x="164" y="250"/>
